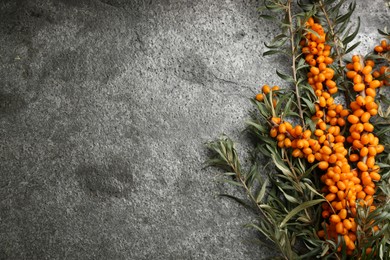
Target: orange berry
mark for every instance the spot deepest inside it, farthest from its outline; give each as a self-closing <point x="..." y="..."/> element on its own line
<point x="363" y="152"/>
<point x="297" y="153"/>
<point x="282" y="128"/>
<point x="273" y="132"/>
<point x="359" y="87"/>
<point x="375" y="84"/>
<point x="314" y="70"/>
<point x="367" y="69"/>
<point x="330" y="197"/>
<point x="310" y="158"/>
<point x="375" y="176"/>
<point x="370" y="92"/>
<point x="369" y="190"/>
<point x="341" y="185"/>
<point x="368" y="78"/>
<point x="368" y="127"/>
<point x="354" y="157"/>
<point x="362" y="166"/>
<point x="360" y="100"/>
<point x="298" y="130"/>
<point x="334" y="218"/>
<point x="266" y="89"/>
<point x="343" y="213"/>
<point x="353" y="119"/>
<point x="370" y="162"/>
<point x="323" y="165"/>
<point x="339" y="227"/>
<point x="357" y="66"/>
<point x="378" y="49"/>
<point x="259" y="97"/>
<point x="357" y="144"/>
<point x="344" y="113"/>
<point x="380" y="148"/>
<point x="351" y="74"/>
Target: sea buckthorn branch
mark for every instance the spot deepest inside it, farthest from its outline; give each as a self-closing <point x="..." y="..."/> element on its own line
<point x="337" y="25"/>
<point x="327" y="189"/>
<point x="293" y="60"/>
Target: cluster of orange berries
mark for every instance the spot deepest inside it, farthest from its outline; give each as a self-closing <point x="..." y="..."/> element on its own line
<point x="344" y="184"/>
<point x="383" y="47"/>
<point x="266" y="90"/>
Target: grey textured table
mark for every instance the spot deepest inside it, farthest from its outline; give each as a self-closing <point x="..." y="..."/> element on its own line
<point x="104" y="109"/>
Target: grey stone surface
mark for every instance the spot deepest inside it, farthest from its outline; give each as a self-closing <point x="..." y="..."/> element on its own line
<point x="104" y="109"/>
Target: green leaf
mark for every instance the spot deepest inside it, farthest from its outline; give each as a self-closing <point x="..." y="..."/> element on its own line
<point x="285" y="77"/>
<point x="352" y="36"/>
<point x="257" y="126"/>
<point x="303" y="206"/>
<point x="310" y="105"/>
<point x="231" y="182"/>
<point x="352" y="47"/>
<point x="272" y="52"/>
<point x="240" y="201"/>
<point x="345" y="17"/>
<point x="262" y="191"/>
<point x="385" y="33"/>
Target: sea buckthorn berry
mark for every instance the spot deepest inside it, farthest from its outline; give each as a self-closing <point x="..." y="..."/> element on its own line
<point x="266" y="89"/>
<point x="334" y="218"/>
<point x="311" y="158"/>
<point x="370" y="162"/>
<point x="363" y="152"/>
<point x="375" y="176"/>
<point x="359" y="112"/>
<point x="375" y="84"/>
<point x="369" y="190"/>
<point x="362" y="166"/>
<point x="357" y="66"/>
<point x="359" y="87"/>
<point x="298" y="130"/>
<point x="378" y="49"/>
<point x="368" y="78"/>
<point x="339" y="227"/>
<point x="380" y="148"/>
<point x="353" y="119"/>
<point x="314" y="70"/>
<point x="287" y="143"/>
<point x="282" y="128"/>
<point x="343" y="214"/>
<point x="370" y="92"/>
<point x="367" y="69"/>
<point x="280" y="137"/>
<point x="357" y="79"/>
<point x="355" y="58"/>
<point x="354" y="157"/>
<point x="370" y="63"/>
<point x="341" y="185"/>
<point x="297" y="153"/>
<point x="259" y="97"/>
<point x="360" y="100"/>
<point x="275" y="88"/>
<point x="368" y="127"/>
<point x="351" y="74"/>
<point x="273" y="132"/>
<point x="330" y="197"/>
<point x="276" y="120"/>
<point x="323" y="165"/>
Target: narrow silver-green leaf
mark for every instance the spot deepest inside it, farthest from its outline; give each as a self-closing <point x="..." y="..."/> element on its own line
<point x="303" y="206"/>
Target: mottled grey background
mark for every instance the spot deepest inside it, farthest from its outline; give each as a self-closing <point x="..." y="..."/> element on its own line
<point x="104" y="109"/>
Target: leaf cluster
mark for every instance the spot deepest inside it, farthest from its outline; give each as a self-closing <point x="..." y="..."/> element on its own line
<point x="284" y="194"/>
<point x="283" y="200"/>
